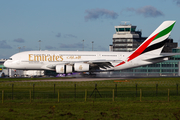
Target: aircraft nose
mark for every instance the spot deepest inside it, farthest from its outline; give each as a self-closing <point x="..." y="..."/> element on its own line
<point x="7" y="64"/>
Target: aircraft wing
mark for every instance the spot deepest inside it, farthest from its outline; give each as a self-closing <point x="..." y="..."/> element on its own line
<point x="102" y="63"/>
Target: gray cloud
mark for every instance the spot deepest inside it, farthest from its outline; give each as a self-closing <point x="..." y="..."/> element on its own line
<point x="75" y="45"/>
<point x="70" y="36"/>
<point x="147" y="11"/>
<point x="4" y="45"/>
<point x="177" y="2"/>
<point x="19" y="40"/>
<point x="58" y="35"/>
<point x="99" y="13"/>
<point x="66" y="35"/>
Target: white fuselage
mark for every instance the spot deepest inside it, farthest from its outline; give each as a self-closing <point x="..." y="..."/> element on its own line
<point x="47" y="59"/>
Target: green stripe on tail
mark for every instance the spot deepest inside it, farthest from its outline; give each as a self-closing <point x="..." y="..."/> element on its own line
<point x="165" y="31"/>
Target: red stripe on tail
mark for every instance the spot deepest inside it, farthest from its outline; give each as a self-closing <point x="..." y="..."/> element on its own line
<point x="139" y="50"/>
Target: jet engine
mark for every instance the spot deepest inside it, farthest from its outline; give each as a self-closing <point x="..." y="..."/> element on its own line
<point x="64" y="69"/>
<point x="79" y="67"/>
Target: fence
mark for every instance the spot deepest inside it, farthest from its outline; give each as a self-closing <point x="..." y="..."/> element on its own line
<point x="116" y="93"/>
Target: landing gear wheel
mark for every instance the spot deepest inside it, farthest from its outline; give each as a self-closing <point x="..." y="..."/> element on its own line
<point x="15" y="75"/>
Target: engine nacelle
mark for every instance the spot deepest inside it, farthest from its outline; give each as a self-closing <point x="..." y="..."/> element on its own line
<point x="64" y="69"/>
<point x="80" y="67"/>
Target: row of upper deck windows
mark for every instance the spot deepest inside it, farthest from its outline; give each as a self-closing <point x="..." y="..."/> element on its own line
<point x="125" y="29"/>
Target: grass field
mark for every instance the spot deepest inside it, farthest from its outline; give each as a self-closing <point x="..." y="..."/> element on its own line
<point x="72" y="105"/>
<point x="91" y="111"/>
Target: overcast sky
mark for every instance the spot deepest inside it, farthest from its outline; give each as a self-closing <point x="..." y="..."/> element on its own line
<point x="63" y="24"/>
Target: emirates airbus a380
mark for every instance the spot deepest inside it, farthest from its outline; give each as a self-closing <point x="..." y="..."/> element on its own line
<point x="148" y="52"/>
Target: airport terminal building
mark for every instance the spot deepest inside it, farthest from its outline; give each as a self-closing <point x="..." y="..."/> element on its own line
<point x="127" y="39"/>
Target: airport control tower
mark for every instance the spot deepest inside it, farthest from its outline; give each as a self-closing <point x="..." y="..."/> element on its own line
<point x="126" y="38"/>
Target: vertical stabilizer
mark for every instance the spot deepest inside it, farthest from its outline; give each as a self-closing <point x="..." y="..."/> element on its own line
<point x="154" y="43"/>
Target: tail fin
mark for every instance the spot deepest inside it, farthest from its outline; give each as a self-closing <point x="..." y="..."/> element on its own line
<point x="155" y="42"/>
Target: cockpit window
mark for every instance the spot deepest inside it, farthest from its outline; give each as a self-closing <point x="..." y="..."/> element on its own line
<point x="9" y="59"/>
